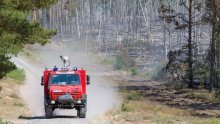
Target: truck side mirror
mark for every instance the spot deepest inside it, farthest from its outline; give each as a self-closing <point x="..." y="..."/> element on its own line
<point x="87" y="79"/>
<point x="42" y="81"/>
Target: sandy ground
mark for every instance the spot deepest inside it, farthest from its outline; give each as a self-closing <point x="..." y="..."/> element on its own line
<point x="102" y="96"/>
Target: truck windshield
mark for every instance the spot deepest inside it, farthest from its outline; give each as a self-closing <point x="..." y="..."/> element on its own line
<point x="65" y="79"/>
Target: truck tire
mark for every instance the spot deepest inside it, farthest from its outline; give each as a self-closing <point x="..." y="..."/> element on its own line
<point x="81" y="112"/>
<point x="48" y="111"/>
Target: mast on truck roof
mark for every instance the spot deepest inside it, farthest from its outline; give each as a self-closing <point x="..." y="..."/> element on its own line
<point x="65" y="59"/>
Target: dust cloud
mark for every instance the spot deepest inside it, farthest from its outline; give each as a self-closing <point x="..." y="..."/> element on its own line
<point x="102" y="96"/>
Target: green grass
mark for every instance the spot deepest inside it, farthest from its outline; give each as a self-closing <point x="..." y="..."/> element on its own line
<point x="5" y="122"/>
<point x="126" y="107"/>
<point x="208" y="121"/>
<point x="133" y="96"/>
<point x="18" y="74"/>
<point x="201" y="94"/>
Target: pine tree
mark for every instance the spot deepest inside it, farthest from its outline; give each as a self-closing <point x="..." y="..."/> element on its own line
<point x="16" y="30"/>
<point x="183" y="21"/>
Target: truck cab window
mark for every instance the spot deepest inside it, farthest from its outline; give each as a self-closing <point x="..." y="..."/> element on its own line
<point x="65" y="79"/>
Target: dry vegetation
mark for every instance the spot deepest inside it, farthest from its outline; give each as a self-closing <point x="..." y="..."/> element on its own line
<point x="146" y="102"/>
<point x="144" y="111"/>
<point x="11" y="105"/>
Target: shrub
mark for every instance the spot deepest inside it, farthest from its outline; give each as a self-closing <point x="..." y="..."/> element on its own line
<point x="134" y="71"/>
<point x="6" y="65"/>
<point x="133" y="96"/>
<point x="123" y="61"/>
<point x="119" y="63"/>
<point x="126" y="107"/>
<point x="159" y="73"/>
<point x="17" y="74"/>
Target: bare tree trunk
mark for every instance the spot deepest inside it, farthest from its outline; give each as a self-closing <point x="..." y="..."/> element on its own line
<point x="190" y="61"/>
<point x="34" y="14"/>
<point x="213" y="45"/>
<point x="100" y="28"/>
<point x="218" y="35"/>
<point x="77" y="20"/>
<point x="164" y="40"/>
<point x="61" y="21"/>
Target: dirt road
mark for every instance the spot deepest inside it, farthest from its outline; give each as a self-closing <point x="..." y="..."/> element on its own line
<point x="102" y="96"/>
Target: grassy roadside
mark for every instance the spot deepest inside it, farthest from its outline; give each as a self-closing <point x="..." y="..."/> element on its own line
<point x="5" y="122"/>
<point x="137" y="108"/>
<point x="11" y="105"/>
<point x="17" y="75"/>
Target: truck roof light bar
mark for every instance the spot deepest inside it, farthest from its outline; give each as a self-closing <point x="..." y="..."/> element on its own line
<point x="65" y="69"/>
<point x="55" y="68"/>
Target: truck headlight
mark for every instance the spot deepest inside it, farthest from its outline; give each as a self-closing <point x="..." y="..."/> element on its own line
<point x="79" y="101"/>
<point x="52" y="102"/>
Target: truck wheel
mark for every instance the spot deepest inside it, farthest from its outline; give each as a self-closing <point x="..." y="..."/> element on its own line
<point x="48" y="111"/>
<point x="81" y="112"/>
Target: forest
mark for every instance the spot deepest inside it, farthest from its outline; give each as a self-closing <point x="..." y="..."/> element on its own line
<point x="181" y="37"/>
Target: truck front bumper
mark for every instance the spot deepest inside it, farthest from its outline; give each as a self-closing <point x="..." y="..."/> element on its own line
<point x="67" y="102"/>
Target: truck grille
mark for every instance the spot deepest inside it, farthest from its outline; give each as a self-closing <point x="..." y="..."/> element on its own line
<point x="74" y="95"/>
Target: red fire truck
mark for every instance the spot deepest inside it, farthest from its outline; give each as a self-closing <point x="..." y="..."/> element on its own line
<point x="65" y="88"/>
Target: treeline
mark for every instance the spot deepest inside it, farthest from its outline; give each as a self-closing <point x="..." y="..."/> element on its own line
<point x="182" y="33"/>
<point x="112" y="25"/>
<point x="192" y="68"/>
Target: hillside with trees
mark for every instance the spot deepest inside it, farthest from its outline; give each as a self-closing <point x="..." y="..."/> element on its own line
<point x="182" y="36"/>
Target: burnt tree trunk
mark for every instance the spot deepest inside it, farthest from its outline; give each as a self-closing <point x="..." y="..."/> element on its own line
<point x="190" y="59"/>
<point x="217" y="41"/>
<point x="213" y="45"/>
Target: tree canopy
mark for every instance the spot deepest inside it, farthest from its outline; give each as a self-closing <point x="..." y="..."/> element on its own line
<point x="16" y="30"/>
